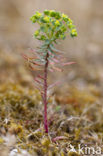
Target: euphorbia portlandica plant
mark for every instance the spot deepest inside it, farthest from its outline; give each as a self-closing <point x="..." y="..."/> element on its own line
<point x="53" y="26"/>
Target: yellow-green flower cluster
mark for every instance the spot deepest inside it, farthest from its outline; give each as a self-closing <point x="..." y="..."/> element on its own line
<point x="57" y="23"/>
<point x="53" y="25"/>
<point x="73" y="32"/>
<point x="46" y="19"/>
<point x="36" y="33"/>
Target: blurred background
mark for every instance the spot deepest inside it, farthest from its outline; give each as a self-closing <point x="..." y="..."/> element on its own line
<point x="16" y="37"/>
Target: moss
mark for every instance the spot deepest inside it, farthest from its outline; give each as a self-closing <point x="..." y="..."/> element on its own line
<point x="45" y="142"/>
<point x="73" y="154"/>
<point x="21" y="115"/>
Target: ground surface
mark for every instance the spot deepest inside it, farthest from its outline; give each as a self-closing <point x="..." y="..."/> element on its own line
<point x="75" y="109"/>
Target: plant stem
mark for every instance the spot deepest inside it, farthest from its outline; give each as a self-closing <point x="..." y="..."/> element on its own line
<point x="45" y="93"/>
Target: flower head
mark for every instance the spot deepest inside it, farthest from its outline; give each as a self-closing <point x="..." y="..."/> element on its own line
<point x="46" y="19"/>
<point x="52" y="13"/>
<point x="73" y="32"/>
<point x="57" y="23"/>
<point x="53" y="25"/>
<point x="36" y="33"/>
<point x="38" y="14"/>
<point x="64" y="16"/>
<point x="46" y="12"/>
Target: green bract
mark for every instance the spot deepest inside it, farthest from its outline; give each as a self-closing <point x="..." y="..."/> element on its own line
<point x="53" y="25"/>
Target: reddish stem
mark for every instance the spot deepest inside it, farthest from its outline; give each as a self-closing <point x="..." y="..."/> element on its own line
<point x="45" y="94"/>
